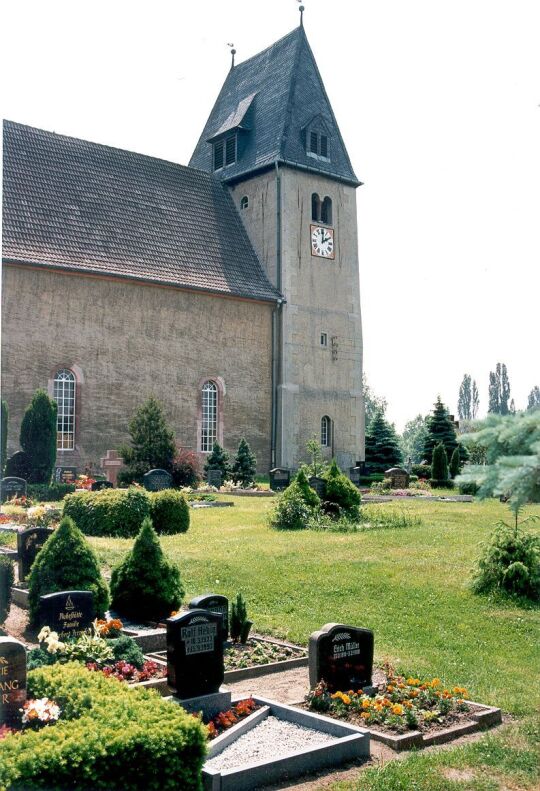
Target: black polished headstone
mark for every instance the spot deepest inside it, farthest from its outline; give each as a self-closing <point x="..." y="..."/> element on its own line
<point x="97" y="486"/>
<point x="355" y="474"/>
<point x="214" y="478"/>
<point x="195" y="653"/>
<point x="12" y="681"/>
<point x="342" y="656"/>
<point x="156" y="480"/>
<point x="280" y="478"/>
<point x="215" y="603"/>
<point x="65" y="474"/>
<point x="319" y="484"/>
<point x="69" y="613"/>
<point x="29" y="542"/>
<point x="12" y="487"/>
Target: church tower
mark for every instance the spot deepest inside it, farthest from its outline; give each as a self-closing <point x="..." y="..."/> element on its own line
<point x="272" y="138"/>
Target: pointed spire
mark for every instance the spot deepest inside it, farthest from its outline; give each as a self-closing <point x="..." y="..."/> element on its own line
<point x="301" y="9"/>
<point x="233" y="53"/>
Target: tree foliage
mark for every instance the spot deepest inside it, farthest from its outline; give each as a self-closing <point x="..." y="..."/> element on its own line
<point x="218" y="460"/>
<point x="455" y="463"/>
<point x="413" y="438"/>
<point x="475" y="403"/>
<point x="341" y="494"/>
<point x="440" y="429"/>
<point x="373" y="403"/>
<point x="245" y="465"/>
<point x="465" y="398"/>
<point x="317" y="464"/>
<point x="533" y="401"/>
<point x="382" y="446"/>
<point x="499" y="391"/>
<point x="38" y="436"/>
<point x="439" y="466"/>
<point x="152" y="442"/>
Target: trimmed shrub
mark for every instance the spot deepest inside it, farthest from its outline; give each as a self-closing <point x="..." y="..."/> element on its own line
<point x="7" y="578"/>
<point x="186" y="469"/>
<point x="51" y="493"/>
<point x="468" y="488"/>
<point x="455" y="463"/>
<point x="169" y="512"/>
<point x="245" y="465"/>
<point x="152" y="443"/>
<point x="510" y="563"/>
<point x="110" y="512"/>
<point x="296" y="505"/>
<point x="309" y="495"/>
<point x="18" y="465"/>
<point x="422" y="470"/>
<point x="38" y="436"/>
<point x="218" y="460"/>
<point x="341" y="493"/>
<point x="108" y="736"/>
<point x="146" y="585"/>
<point x="127" y="649"/>
<point x="66" y="562"/>
<point x="439" y="468"/>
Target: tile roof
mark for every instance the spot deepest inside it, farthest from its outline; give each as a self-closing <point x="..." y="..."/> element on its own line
<point x="289" y="95"/>
<point x="71" y="204"/>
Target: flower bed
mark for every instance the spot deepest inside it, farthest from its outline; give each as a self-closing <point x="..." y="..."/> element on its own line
<point x="125" y="671"/>
<point x="226" y="719"/>
<point x="259" y="652"/>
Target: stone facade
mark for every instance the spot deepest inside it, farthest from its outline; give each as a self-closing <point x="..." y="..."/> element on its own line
<point x="126" y="341"/>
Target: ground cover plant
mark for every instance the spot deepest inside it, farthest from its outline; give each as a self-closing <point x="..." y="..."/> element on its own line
<point x="256" y="652"/>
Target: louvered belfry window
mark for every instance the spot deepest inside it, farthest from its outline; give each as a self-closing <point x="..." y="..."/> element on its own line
<point x="313" y="142"/>
<point x="225" y="152"/>
<point x="64" y="395"/>
<point x="230" y="150"/>
<point x="323" y="146"/>
<point x="218" y="155"/>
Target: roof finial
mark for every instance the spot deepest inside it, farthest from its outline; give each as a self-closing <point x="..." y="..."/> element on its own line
<point x="233" y="53"/>
<point x="301" y="13"/>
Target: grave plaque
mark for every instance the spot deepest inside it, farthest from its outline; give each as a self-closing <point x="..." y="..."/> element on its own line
<point x="280" y="478"/>
<point x="342" y="656"/>
<point x="12" y="487"/>
<point x="29" y="542"/>
<point x="12" y="681"/>
<point x="319" y="484"/>
<point x="354" y="475"/>
<point x="195" y="653"/>
<point x="213" y="478"/>
<point x="69" y="613"/>
<point x="215" y="603"/>
<point x="65" y="474"/>
<point x="97" y="486"/>
<point x="156" y="480"/>
<point x="398" y="476"/>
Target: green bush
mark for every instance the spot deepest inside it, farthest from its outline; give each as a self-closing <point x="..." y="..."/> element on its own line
<point x="341" y="493"/>
<point x="146" y="586"/>
<point x="244" y="466"/>
<point x="110" y="512"/>
<point x="309" y="495"/>
<point x="169" y="512"/>
<point x="218" y="460"/>
<point x="152" y="443"/>
<point x="43" y="493"/>
<point x="126" y="648"/>
<point x="38" y="436"/>
<point x="66" y="562"/>
<point x="422" y="470"/>
<point x="510" y="563"/>
<point x="469" y="487"/>
<point x="439" y="469"/>
<point x="455" y="463"/>
<point x="291" y="512"/>
<point x="7" y="578"/>
<point x="108" y="737"/>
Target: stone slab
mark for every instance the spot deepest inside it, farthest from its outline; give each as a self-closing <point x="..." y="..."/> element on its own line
<point x="19" y="597"/>
<point x="209" y="705"/>
<point x="150" y="640"/>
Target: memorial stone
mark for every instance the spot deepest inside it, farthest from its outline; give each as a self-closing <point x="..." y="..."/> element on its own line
<point x="156" y="480"/>
<point x="398" y="476"/>
<point x="69" y="613"/>
<point x="215" y="603"/>
<point x="214" y="478"/>
<point x="12" y="487"/>
<point x="65" y="474"/>
<point x="342" y="656"/>
<point x="354" y="475"/>
<point x="280" y="478"/>
<point x="319" y="484"/>
<point x="29" y="542"/>
<point x="97" y="486"/>
<point x="195" y="653"/>
<point x="12" y="681"/>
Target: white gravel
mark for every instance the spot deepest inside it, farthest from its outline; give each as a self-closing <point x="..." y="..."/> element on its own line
<point x="272" y="738"/>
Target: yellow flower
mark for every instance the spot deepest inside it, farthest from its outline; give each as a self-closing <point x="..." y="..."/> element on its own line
<point x="346" y="699"/>
<point x="366" y="703"/>
<point x="389" y="688"/>
<point x="397" y="709"/>
<point x="436" y="682"/>
<point x="365" y="715"/>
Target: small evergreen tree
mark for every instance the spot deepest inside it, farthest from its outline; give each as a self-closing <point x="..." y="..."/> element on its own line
<point x="146" y="586"/>
<point x="38" y="436"/>
<point x="238" y="618"/>
<point x="439" y="467"/>
<point x="533" y="400"/>
<point x="317" y="465"/>
<point x="218" y="460"/>
<point x="308" y="494"/>
<point x="455" y="463"/>
<point x="152" y="442"/>
<point x="245" y="465"/>
<point x="342" y="493"/>
<point x="4" y="429"/>
<point x="66" y="562"/>
<point x="382" y="446"/>
<point x="440" y="429"/>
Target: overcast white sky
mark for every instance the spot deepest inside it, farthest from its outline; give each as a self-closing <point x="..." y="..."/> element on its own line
<point x="438" y="104"/>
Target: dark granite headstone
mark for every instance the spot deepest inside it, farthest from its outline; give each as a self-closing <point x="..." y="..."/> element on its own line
<point x="97" y="486"/>
<point x="215" y="603"/>
<point x="69" y="613"/>
<point x="29" y="542"/>
<point x="65" y="474"/>
<point x="195" y="653"/>
<point x="354" y="475"/>
<point x="214" y="478"/>
<point x="319" y="484"/>
<point x="156" y="480"/>
<point x="398" y="476"/>
<point x="342" y="656"/>
<point x="12" y="681"/>
<point x="12" y="487"/>
<point x="280" y="478"/>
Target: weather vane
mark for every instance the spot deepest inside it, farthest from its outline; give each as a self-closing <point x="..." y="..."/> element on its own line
<point x="233" y="53"/>
<point x="301" y="13"/>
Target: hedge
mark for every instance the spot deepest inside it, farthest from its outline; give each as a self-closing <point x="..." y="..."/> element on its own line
<point x="49" y="493"/>
<point x="108" y="737"/>
<point x="120" y="512"/>
<point x="7" y="578"/>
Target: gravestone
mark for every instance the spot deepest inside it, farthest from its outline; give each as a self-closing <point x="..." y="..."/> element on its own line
<point x="97" y="486"/>
<point x="280" y="478"/>
<point x="195" y="653"/>
<point x="398" y="476"/>
<point x="156" y="480"/>
<point x="342" y="656"/>
<point x="354" y="475"/>
<point x="214" y="478"/>
<point x="29" y="542"/>
<point x="65" y="474"/>
<point x="12" y="487"/>
<point x="69" y="613"/>
<point x="215" y="603"/>
<point x="111" y="463"/>
<point x="12" y="681"/>
<point x="319" y="484"/>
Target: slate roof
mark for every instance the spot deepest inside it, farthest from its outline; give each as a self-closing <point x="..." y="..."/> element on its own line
<point x="71" y="204"/>
<point x="289" y="95"/>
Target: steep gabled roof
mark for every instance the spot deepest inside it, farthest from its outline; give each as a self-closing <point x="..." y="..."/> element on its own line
<point x="289" y="95"/>
<point x="70" y="204"/>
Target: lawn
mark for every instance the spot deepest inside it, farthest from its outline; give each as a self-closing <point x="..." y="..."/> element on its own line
<point x="410" y="585"/>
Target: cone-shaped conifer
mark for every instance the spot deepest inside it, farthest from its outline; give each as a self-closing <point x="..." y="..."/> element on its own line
<point x="382" y="446"/>
<point x="245" y="465"/>
<point x="440" y="429"/>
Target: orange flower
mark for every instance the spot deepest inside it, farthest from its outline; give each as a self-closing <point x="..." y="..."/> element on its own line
<point x="366" y="703"/>
<point x="397" y="709"/>
<point x="436" y="682"/>
<point x="413" y="693"/>
<point x="389" y="688"/>
<point x="365" y="715"/>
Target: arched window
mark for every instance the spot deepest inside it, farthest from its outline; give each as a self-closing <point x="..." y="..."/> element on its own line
<point x="326" y="211"/>
<point x="315" y="207"/>
<point x="209" y="416"/>
<point x="326" y="431"/>
<point x="64" y="395"/>
<point x="244" y="202"/>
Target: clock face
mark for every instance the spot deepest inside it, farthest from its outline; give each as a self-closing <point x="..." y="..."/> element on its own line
<point x="322" y="241"/>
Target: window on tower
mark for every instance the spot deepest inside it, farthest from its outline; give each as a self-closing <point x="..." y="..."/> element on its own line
<point x="326" y="432"/>
<point x="318" y="145"/>
<point x="244" y="202"/>
<point x="225" y="152"/>
<point x="321" y="211"/>
<point x="326" y="211"/>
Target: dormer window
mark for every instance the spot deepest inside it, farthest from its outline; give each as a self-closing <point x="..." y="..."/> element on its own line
<point x="225" y="152"/>
<point x="317" y="139"/>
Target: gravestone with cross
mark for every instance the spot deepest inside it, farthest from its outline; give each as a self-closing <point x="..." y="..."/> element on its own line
<point x="111" y="464"/>
<point x="342" y="656"/>
<point x="215" y="603"/>
<point x="156" y="480"/>
<point x="69" y="613"/>
<point x="29" y="542"/>
<point x="12" y="681"/>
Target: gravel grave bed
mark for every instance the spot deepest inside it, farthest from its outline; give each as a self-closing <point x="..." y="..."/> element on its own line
<point x="273" y="738"/>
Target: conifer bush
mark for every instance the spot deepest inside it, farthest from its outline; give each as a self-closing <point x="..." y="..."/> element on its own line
<point x="245" y="465"/>
<point x="146" y="586"/>
<point x="296" y="505"/>
<point x="66" y="562"/>
<point x="440" y="429"/>
<point x="218" y="460"/>
<point x="309" y="495"/>
<point x="152" y="443"/>
<point x="439" y="468"/>
<point x="341" y="493"/>
<point x="38" y="436"/>
<point x="509" y="563"/>
<point x="382" y="445"/>
<point x="455" y="463"/>
<point x="7" y="578"/>
<point x="169" y="512"/>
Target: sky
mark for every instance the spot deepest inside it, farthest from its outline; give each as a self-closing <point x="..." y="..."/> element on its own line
<point x="438" y="104"/>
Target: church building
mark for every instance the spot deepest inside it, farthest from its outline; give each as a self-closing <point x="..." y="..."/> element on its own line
<point x="228" y="289"/>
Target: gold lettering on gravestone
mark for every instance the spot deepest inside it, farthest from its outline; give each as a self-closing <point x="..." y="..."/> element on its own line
<point x="199" y="639"/>
<point x="7" y="686"/>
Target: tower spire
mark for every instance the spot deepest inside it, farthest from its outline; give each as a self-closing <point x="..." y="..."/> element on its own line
<point x="233" y="53"/>
<point x="301" y="9"/>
